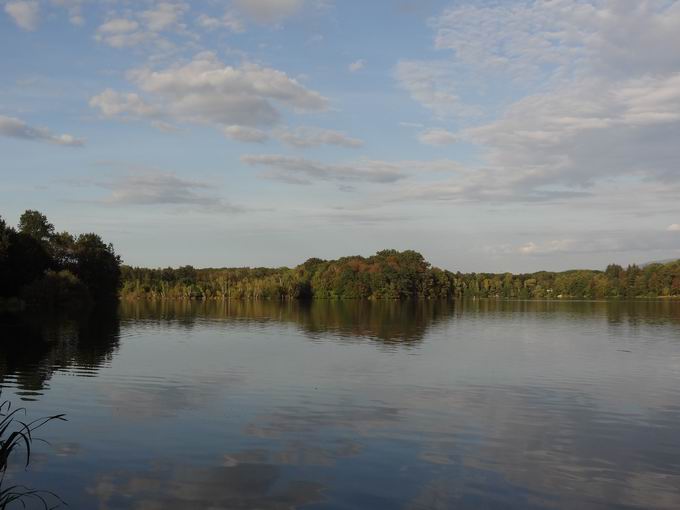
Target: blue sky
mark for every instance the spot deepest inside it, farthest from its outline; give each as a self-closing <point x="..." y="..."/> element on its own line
<point x="488" y="135"/>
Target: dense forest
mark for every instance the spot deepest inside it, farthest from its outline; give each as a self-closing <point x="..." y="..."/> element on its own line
<point x="391" y="274"/>
<point x="49" y="269"/>
<point x="387" y="275"/>
<point x="39" y="266"/>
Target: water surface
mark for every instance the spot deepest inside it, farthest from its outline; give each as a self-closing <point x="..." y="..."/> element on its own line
<point x="480" y="404"/>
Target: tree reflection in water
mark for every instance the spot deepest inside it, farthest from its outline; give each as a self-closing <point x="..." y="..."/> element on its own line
<point x="35" y="347"/>
<point x="354" y="404"/>
<point x="397" y="323"/>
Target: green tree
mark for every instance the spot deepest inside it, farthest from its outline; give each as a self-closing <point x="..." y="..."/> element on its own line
<point x="35" y="224"/>
<point x="61" y="290"/>
<point x="24" y="260"/>
<point x="62" y="248"/>
<point x="97" y="266"/>
<point x="55" y="268"/>
<point x="5" y="233"/>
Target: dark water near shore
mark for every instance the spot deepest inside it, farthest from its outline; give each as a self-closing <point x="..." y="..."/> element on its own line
<point x="470" y="405"/>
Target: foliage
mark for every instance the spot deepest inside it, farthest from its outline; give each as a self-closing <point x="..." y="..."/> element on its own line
<point x="60" y="289"/>
<point x="25" y="260"/>
<point x="391" y="274"/>
<point x="57" y="269"/>
<point x="15" y="434"/>
<point x="96" y="265"/>
<point x="35" y="225"/>
<point x="650" y="281"/>
<point x="387" y="275"/>
<point x="34" y="259"/>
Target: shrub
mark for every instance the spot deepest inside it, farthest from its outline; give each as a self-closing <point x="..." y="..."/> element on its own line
<point x="57" y="290"/>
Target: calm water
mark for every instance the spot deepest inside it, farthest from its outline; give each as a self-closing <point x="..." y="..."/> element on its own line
<point x="473" y="405"/>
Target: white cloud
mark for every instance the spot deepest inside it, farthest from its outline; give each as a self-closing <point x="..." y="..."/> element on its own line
<point x="586" y="130"/>
<point x="118" y="26"/>
<point x="164" y="15"/>
<point x="530" y="45"/>
<point x="357" y="65"/>
<point x="522" y="39"/>
<point x="303" y="138"/>
<point x="228" y="21"/>
<point x="144" y="26"/>
<point x="675" y="227"/>
<point x="295" y="170"/>
<point x="527" y="249"/>
<point x="481" y="185"/>
<point x="220" y="85"/>
<point x="152" y="187"/>
<point x="206" y="91"/>
<point x="121" y="33"/>
<point x="304" y="171"/>
<point x="25" y="14"/>
<point x="245" y="134"/>
<point x="554" y="246"/>
<point x="432" y="84"/>
<point x="114" y="104"/>
<point x="632" y="38"/>
<point x="580" y="92"/>
<point x="531" y="41"/>
<point x="16" y="128"/>
<point x="593" y="241"/>
<point x="269" y="11"/>
<point x="437" y="137"/>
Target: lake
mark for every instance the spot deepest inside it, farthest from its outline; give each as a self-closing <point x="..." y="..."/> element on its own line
<point x="343" y="405"/>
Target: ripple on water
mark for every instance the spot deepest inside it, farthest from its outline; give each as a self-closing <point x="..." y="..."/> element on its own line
<point x="482" y="405"/>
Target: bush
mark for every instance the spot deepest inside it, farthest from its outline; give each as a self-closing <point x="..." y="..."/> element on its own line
<point x="58" y="290"/>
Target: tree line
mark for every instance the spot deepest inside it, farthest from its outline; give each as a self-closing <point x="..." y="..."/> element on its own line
<point x="42" y="267"/>
<point x="56" y="269"/>
<point x="391" y="274"/>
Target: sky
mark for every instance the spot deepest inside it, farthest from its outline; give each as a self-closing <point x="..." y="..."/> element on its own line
<point x="488" y="135"/>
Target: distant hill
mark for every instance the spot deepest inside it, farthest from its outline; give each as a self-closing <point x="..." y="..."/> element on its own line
<point x="664" y="261"/>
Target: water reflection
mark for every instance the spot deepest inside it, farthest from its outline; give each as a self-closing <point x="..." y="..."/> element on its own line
<point x="33" y="348"/>
<point x="389" y="322"/>
<point x="183" y="487"/>
<point x="402" y="323"/>
<point x="473" y="404"/>
<point x="556" y="448"/>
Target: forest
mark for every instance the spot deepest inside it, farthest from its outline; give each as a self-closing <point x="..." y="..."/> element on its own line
<point x="40" y="267"/>
<point x="391" y="274"/>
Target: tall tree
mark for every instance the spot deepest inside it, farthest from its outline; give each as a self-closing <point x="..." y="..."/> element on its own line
<point x="5" y="233"/>
<point x="25" y="259"/>
<point x="97" y="266"/>
<point x="5" y="272"/>
<point x="62" y="249"/>
<point x="35" y="224"/>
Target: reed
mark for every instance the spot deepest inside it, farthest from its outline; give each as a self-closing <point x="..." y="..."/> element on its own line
<point x="17" y="436"/>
